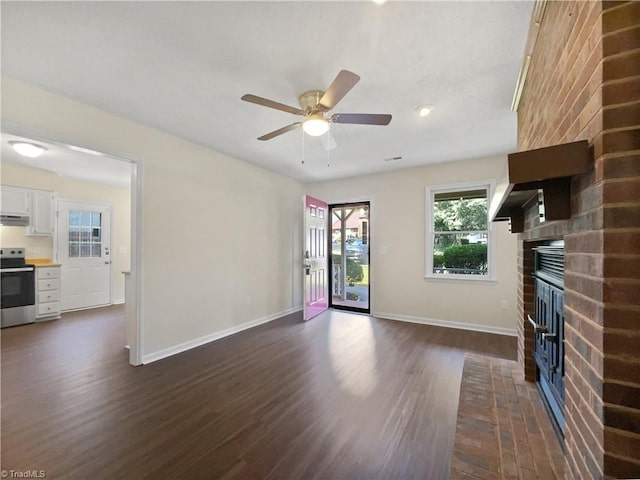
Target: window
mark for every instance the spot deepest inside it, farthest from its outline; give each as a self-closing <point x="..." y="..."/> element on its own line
<point x="458" y="232"/>
<point x="85" y="234"/>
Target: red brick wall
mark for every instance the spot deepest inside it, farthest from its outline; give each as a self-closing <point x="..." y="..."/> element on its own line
<point x="584" y="83"/>
<point x="618" y="166"/>
<point x="526" y="306"/>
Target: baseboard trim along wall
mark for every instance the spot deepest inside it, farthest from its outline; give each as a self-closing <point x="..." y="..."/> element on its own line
<point x="512" y="332"/>
<point x="196" y="342"/>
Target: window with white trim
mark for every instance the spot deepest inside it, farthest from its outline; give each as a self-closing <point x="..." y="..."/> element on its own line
<point x="458" y="232"/>
<point x="85" y="234"/>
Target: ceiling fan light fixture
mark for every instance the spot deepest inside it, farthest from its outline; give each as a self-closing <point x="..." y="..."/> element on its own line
<point x="424" y="110"/>
<point x="26" y="149"/>
<point x="314" y="104"/>
<point x="315" y="125"/>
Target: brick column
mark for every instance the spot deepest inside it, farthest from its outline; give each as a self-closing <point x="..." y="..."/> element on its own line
<point x="618" y="165"/>
<point x="562" y="102"/>
<point x="526" y="306"/>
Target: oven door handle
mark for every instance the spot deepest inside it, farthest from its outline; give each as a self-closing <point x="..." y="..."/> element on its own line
<point x="12" y="270"/>
<point x="537" y="328"/>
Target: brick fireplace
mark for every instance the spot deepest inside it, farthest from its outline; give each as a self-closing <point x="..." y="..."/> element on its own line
<point x="584" y="84"/>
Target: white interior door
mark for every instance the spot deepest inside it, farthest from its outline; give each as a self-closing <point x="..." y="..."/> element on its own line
<point x="84" y="250"/>
<point x="316" y="218"/>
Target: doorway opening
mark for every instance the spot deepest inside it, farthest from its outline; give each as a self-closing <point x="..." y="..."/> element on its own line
<point x="84" y="175"/>
<point x="350" y="261"/>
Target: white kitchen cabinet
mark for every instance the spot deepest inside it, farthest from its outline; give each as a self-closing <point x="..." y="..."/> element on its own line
<point x="47" y="292"/>
<point x="42" y="214"/>
<point x="15" y="201"/>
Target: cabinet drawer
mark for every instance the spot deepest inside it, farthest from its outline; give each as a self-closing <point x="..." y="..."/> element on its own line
<point x="48" y="284"/>
<point x="50" y="308"/>
<point x="49" y="272"/>
<point x="50" y="296"/>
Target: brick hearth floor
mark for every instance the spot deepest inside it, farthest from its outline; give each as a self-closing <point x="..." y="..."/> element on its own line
<point x="502" y="431"/>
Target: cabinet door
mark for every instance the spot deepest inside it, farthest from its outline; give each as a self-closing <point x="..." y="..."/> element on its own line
<point x="41" y="213"/>
<point x="15" y="201"/>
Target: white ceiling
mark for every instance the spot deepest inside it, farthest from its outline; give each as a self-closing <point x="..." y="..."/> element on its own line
<point x="60" y="159"/>
<point x="182" y="68"/>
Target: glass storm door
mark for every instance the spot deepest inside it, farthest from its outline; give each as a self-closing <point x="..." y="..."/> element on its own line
<point x="350" y="240"/>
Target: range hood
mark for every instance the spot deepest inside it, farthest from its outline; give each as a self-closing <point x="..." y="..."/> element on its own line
<point x="14" y="220"/>
<point x="543" y="176"/>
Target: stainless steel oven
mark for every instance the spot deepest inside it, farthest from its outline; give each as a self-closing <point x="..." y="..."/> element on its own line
<point x="17" y="290"/>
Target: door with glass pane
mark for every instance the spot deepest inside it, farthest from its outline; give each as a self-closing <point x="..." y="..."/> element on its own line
<point x="315" y="257"/>
<point x="350" y="241"/>
<point x="84" y="250"/>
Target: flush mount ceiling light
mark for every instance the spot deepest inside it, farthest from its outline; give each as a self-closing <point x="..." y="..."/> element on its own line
<point x="27" y="149"/>
<point x="424" y="110"/>
<point x="379" y="2"/>
<point x="315" y="125"/>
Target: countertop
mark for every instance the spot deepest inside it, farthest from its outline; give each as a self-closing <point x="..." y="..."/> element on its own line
<point x="42" y="262"/>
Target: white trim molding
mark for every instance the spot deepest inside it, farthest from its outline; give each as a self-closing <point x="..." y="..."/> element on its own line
<point x="532" y="37"/>
<point x="512" y="332"/>
<point x="197" y="342"/>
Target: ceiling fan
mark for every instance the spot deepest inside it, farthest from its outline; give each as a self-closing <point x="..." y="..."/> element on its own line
<point x="314" y="104"/>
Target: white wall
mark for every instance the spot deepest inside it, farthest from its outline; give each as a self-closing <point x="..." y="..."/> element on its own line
<point x="36" y="247"/>
<point x="222" y="237"/>
<point x="68" y="188"/>
<point x="399" y="289"/>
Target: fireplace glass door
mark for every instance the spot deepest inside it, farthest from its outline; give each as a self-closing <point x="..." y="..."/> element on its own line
<point x="549" y="329"/>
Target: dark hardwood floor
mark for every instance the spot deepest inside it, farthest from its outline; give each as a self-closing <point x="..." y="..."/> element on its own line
<point x="341" y="396"/>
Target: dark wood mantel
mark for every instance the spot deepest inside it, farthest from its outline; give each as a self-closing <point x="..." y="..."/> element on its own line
<point x="543" y="172"/>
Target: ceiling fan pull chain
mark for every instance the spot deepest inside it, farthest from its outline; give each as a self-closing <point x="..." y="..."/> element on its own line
<point x="302" y="146"/>
<point x="328" y="151"/>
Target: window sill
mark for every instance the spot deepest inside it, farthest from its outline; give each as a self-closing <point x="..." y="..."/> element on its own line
<point x="460" y="279"/>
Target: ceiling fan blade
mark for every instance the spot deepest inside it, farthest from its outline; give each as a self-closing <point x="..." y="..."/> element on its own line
<point x="340" y="86"/>
<point x="271" y="104"/>
<point x="361" y="118"/>
<point x="280" y="131"/>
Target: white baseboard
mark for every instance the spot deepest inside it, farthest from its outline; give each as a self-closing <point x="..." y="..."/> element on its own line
<point x="196" y="342"/>
<point x="119" y="301"/>
<point x="512" y="332"/>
